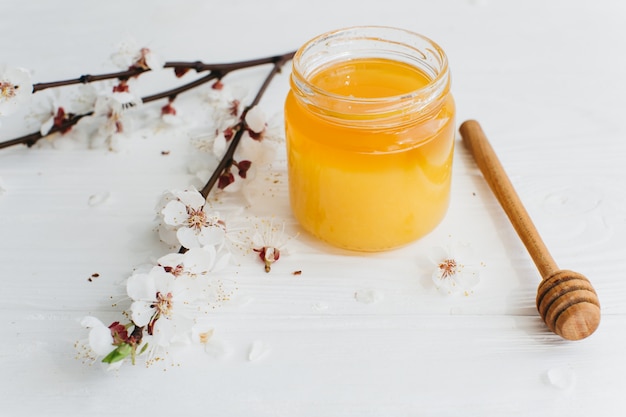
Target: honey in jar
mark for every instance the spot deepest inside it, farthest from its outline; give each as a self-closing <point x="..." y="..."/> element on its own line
<point x="369" y="124"/>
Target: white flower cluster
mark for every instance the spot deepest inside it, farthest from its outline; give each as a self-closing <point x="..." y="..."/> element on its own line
<point x="256" y="148"/>
<point x="170" y="299"/>
<point x="104" y="108"/>
<point x="258" y="142"/>
<point x="114" y="106"/>
<point x="170" y="305"/>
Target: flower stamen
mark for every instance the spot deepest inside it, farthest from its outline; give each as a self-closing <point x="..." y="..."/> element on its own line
<point x="175" y="270"/>
<point x="197" y="218"/>
<point x="164" y="303"/>
<point x="269" y="255"/>
<point x="7" y="90"/>
<point x="448" y="268"/>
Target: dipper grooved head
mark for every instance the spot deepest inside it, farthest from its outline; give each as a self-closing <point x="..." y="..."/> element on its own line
<point x="568" y="305"/>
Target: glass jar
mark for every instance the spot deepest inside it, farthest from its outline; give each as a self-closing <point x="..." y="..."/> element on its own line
<point x="369" y="123"/>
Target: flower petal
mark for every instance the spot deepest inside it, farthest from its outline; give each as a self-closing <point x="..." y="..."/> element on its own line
<point x="168" y="235"/>
<point x="187" y="237"/>
<point x="445" y="284"/>
<point x="175" y="213"/>
<point x="468" y="277"/>
<point x="141" y="286"/>
<point x="219" y="145"/>
<point x="90" y="322"/>
<point x="259" y="152"/>
<point x="125" y="100"/>
<point x="256" y="119"/>
<point x="168" y="331"/>
<point x="154" y="61"/>
<point x="141" y="312"/>
<point x="222" y="261"/>
<point x="163" y="281"/>
<point x="190" y="198"/>
<point x="463" y="252"/>
<point x="46" y="126"/>
<point x="100" y="339"/>
<point x="211" y="235"/>
<point x="199" y="261"/>
<point x="437" y="254"/>
<point x="171" y="260"/>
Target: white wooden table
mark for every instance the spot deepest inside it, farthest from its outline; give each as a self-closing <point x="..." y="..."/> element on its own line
<point x="546" y="80"/>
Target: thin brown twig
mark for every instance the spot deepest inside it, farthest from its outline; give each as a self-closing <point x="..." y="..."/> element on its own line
<point x="171" y="94"/>
<point x="197" y="66"/>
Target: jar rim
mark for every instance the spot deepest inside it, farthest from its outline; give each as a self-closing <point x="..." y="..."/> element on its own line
<point x="423" y="49"/>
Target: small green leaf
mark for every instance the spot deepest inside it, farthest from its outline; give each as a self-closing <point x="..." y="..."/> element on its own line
<point x="143" y="348"/>
<point x="121" y="352"/>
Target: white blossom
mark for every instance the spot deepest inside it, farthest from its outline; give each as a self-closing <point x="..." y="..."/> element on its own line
<point x="454" y="270"/>
<point x="225" y="102"/>
<point x="259" y="152"/>
<point x="265" y="129"/>
<point x="170" y="297"/>
<point x="16" y="89"/>
<point x="162" y="303"/>
<point x="194" y="263"/>
<point x="55" y="107"/>
<point x="184" y="217"/>
<point x="100" y="338"/>
<point x="100" y="341"/>
<point x="114" y="109"/>
<point x="270" y="242"/>
<point x="255" y="149"/>
<point x="129" y="54"/>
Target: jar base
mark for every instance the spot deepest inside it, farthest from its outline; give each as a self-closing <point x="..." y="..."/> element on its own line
<point x="398" y="244"/>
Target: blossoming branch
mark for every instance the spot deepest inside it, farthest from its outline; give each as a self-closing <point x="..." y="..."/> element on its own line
<point x="16" y="89"/>
<point x="171" y="299"/>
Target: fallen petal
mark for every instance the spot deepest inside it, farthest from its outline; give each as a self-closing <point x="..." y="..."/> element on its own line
<point x="258" y="350"/>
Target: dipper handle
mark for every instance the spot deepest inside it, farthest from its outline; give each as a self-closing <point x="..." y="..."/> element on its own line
<point x="566" y="300"/>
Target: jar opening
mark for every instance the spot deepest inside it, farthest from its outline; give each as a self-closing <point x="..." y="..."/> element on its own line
<point x="313" y="61"/>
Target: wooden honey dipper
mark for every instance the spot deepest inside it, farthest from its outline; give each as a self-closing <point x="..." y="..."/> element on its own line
<point x="566" y="300"/>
